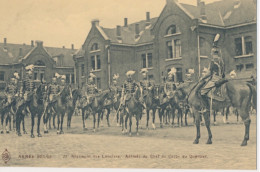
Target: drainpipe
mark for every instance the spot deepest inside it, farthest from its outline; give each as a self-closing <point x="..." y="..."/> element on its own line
<point x="198" y="41"/>
<point x="108" y="65"/>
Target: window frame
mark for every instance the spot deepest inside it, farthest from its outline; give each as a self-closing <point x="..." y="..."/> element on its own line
<point x="2" y="75"/>
<point x="243" y="45"/>
<point x="147" y="60"/>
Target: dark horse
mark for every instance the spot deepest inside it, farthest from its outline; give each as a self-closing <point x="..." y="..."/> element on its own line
<point x="95" y="107"/>
<point x="36" y="107"/>
<point x="134" y="109"/>
<point x="71" y="104"/>
<point x="60" y="107"/>
<point x="151" y="99"/>
<point x="164" y="106"/>
<point x="238" y="94"/>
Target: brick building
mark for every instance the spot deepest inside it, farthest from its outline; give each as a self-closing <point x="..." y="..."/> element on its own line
<point x="180" y="37"/>
<point x="47" y="61"/>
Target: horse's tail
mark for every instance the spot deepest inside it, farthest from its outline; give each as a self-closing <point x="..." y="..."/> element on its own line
<point x="254" y="95"/>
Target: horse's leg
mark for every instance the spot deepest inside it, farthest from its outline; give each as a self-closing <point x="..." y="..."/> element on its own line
<point x="160" y="116"/>
<point x="130" y="125"/>
<point x="9" y="123"/>
<point x="207" y="123"/>
<point x="147" y="118"/>
<point x="108" y="113"/>
<point x="32" y="123"/>
<point x="185" y="116"/>
<point x="58" y="118"/>
<point x="53" y="120"/>
<point x="126" y="119"/>
<point x="94" y="121"/>
<point x="38" y="125"/>
<point x="99" y="114"/>
<point x="61" y="123"/>
<point x="24" y="130"/>
<point x="243" y="110"/>
<point x="137" y="124"/>
<point x="18" y="119"/>
<point x="118" y="117"/>
<point x="45" y="119"/>
<point x="153" y="124"/>
<point x="83" y="118"/>
<point x="173" y="116"/>
<point x="180" y="116"/>
<point x="197" y="123"/>
<point x="214" y="115"/>
<point x="2" y="123"/>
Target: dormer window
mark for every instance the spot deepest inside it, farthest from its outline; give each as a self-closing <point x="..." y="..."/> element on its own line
<point x="94" y="47"/>
<point x="173" y="29"/>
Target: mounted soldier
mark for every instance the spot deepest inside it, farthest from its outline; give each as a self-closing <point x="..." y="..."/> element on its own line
<point x="129" y="88"/>
<point x="170" y="86"/>
<point x="146" y="85"/>
<point x="53" y="91"/>
<point x="28" y="86"/>
<point x="11" y="91"/>
<point x="215" y="74"/>
<point x="90" y="89"/>
<point x="117" y="90"/>
<point x="189" y="75"/>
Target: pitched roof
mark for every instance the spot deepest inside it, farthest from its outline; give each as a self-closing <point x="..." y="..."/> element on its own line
<point x="11" y="54"/>
<point x="221" y="13"/>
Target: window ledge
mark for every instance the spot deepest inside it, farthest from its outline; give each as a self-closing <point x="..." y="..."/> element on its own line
<point x="98" y="70"/>
<point x="95" y="51"/>
<point x="204" y="57"/>
<point x="175" y="34"/>
<point x="173" y="59"/>
<point x="244" y="56"/>
<point x="149" y="68"/>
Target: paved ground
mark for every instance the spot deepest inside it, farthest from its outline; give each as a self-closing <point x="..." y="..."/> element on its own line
<point x="108" y="148"/>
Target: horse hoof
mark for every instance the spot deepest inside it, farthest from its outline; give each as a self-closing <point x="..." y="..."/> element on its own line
<point x="24" y="132"/>
<point x="58" y="132"/>
<point x="215" y="123"/>
<point x="7" y="132"/>
<point x="2" y="132"/>
<point x="244" y="143"/>
<point x="196" y="141"/>
<point x="147" y="128"/>
<point x="117" y="125"/>
<point x="46" y="132"/>
<point x="94" y="130"/>
<point x="161" y="126"/>
<point x="39" y="135"/>
<point x="32" y="136"/>
<point x="209" y="142"/>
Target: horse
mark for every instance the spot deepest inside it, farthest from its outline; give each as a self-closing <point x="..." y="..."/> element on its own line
<point x="107" y="106"/>
<point x="151" y="99"/>
<point x="238" y="94"/>
<point x="134" y="109"/>
<point x="72" y="105"/>
<point x="60" y="107"/>
<point x="95" y="107"/>
<point x="5" y="112"/>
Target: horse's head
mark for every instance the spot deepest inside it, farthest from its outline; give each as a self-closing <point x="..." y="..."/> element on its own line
<point x="156" y="91"/>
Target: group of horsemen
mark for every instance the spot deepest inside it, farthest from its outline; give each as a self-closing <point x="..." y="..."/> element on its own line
<point x="24" y="90"/>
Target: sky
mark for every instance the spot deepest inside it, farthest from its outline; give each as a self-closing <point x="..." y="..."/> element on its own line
<point x="64" y="22"/>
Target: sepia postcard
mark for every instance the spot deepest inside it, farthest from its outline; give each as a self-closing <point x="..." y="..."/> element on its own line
<point x="128" y="84"/>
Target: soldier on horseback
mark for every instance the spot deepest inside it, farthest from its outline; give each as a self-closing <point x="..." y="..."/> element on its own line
<point x="216" y="72"/>
<point x="146" y="85"/>
<point x="52" y="92"/>
<point x="170" y="86"/>
<point x="28" y="86"/>
<point x="90" y="89"/>
<point x="117" y="90"/>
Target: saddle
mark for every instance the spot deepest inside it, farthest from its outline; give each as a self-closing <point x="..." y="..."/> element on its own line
<point x="217" y="92"/>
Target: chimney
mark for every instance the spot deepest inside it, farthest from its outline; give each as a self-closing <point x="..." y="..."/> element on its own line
<point x="5" y="41"/>
<point x="203" y="15"/>
<point x="95" y="22"/>
<point x="118" y="32"/>
<point x="198" y="3"/>
<point x="137" y="31"/>
<point x="72" y="46"/>
<point x="125" y="23"/>
<point x="20" y="52"/>
<point x="148" y="20"/>
<point x="32" y="43"/>
<point x="39" y="43"/>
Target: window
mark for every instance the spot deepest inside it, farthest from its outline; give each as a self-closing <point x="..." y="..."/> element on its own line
<point x="238" y="43"/>
<point x="42" y="76"/>
<point x="172" y="30"/>
<point x="98" y="83"/>
<point x="35" y="76"/>
<point x="147" y="60"/>
<point x="2" y="75"/>
<point x="95" y="62"/>
<point x="243" y="46"/>
<point x="72" y="78"/>
<point x="82" y="70"/>
<point x="204" y="47"/>
<point x="179" y="75"/>
<point x="67" y="78"/>
<point x="249" y="66"/>
<point x="94" y="47"/>
<point x="248" y="45"/>
<point x="174" y="49"/>
<point x="240" y="67"/>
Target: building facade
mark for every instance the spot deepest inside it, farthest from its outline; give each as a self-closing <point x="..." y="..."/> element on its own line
<point x="181" y="37"/>
<point x="47" y="61"/>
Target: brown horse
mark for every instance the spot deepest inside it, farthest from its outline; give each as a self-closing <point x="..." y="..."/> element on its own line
<point x="134" y="109"/>
<point x="237" y="94"/>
